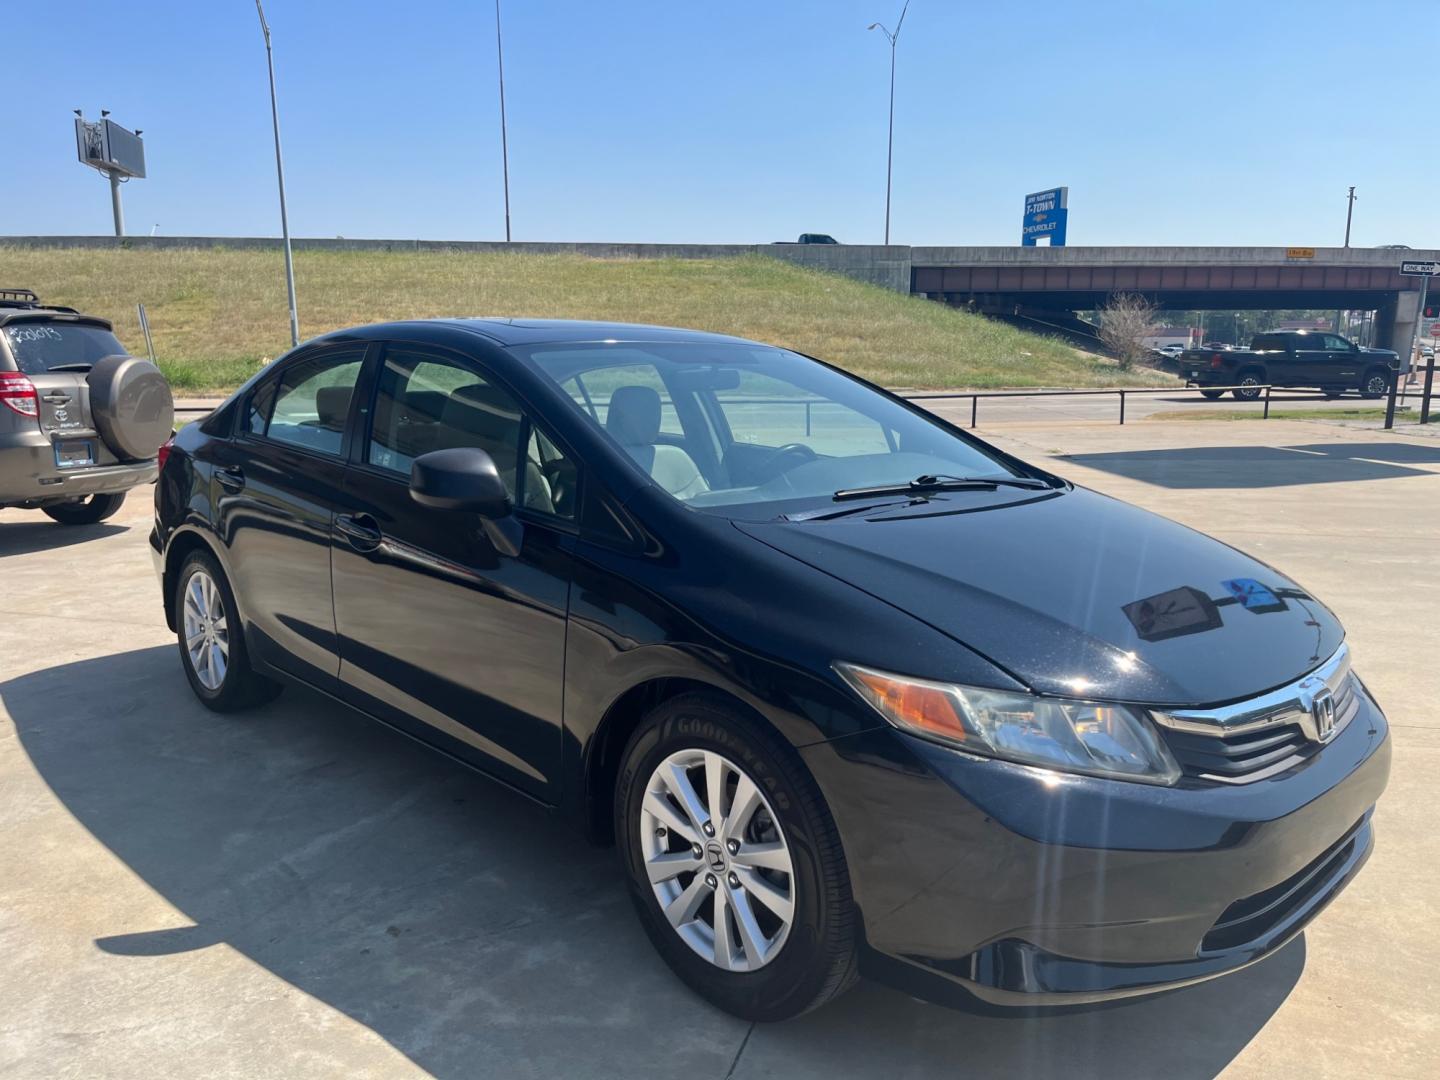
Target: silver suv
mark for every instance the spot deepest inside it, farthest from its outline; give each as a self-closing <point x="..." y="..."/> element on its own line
<point x="80" y="419"/>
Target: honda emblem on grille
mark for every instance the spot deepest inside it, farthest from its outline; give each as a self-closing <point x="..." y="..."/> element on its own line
<point x="1323" y="711"/>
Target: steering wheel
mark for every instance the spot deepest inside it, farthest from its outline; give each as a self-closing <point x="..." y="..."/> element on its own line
<point x="779" y="452"/>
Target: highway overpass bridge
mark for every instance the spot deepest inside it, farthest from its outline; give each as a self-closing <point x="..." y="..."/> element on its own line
<point x="1036" y="280"/>
<point x="996" y="280"/>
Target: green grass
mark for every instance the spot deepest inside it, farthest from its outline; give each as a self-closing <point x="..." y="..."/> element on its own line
<point x="1277" y="414"/>
<point x="217" y="314"/>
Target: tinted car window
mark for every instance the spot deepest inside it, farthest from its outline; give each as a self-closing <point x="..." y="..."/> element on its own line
<point x="428" y="401"/>
<point x="1268" y="343"/>
<point x="39" y="345"/>
<point x="309" y="403"/>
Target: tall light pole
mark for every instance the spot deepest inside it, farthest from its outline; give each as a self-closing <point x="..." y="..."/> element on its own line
<point x="890" y="140"/>
<point x="504" y="138"/>
<point x="280" y="176"/>
<point x="1349" y="211"/>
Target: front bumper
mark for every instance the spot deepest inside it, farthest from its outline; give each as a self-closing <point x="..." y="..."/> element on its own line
<point x="1028" y="887"/>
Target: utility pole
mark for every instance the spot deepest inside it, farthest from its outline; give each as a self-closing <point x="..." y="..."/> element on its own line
<point x="1349" y="211"/>
<point x="504" y="138"/>
<point x="280" y="176"/>
<point x="890" y="139"/>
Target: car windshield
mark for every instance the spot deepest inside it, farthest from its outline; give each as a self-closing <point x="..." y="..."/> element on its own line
<point x="751" y="431"/>
<point x="39" y="345"/>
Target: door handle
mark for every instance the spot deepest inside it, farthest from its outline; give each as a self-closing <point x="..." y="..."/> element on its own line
<point x="231" y="479"/>
<point x="361" y="530"/>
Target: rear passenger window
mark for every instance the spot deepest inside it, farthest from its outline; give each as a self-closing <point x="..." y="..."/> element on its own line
<point x="309" y="404"/>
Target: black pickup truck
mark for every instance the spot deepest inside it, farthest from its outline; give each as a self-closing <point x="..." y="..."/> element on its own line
<point x="1291" y="358"/>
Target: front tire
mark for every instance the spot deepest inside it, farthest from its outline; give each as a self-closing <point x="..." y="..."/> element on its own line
<point x="211" y="640"/>
<point x="760" y="922"/>
<point x="86" y="511"/>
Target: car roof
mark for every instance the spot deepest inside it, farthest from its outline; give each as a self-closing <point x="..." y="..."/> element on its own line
<point x="509" y="332"/>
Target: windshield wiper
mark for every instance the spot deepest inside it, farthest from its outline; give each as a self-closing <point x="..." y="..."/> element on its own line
<point x="825" y="513"/>
<point x="70" y="367"/>
<point x="929" y="482"/>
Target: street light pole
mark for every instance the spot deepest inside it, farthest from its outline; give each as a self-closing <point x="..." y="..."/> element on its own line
<point x="280" y="176"/>
<point x="504" y="138"/>
<point x="890" y="139"/>
<point x="1349" y="211"/>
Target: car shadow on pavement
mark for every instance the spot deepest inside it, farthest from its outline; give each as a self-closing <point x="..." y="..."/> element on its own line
<point x="23" y="538"/>
<point x="1195" y="467"/>
<point x="473" y="931"/>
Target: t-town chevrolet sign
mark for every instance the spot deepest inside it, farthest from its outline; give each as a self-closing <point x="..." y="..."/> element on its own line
<point x="1045" y="214"/>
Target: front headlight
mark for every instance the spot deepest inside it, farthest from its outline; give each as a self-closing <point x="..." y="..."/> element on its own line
<point x="1089" y="737"/>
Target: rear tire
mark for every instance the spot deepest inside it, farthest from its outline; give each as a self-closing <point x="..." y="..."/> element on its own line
<point x="212" y="640"/>
<point x="1247" y="386"/>
<point x="1331" y="395"/>
<point x="85" y="511"/>
<point x="797" y="965"/>
<point x="1212" y="395"/>
<point x="1375" y="384"/>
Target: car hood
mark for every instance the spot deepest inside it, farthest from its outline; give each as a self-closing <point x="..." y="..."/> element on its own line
<point x="1077" y="593"/>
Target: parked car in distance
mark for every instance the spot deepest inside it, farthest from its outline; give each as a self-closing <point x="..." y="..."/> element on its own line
<point x="1170" y="350"/>
<point x="1291" y="358"/>
<point x="811" y="238"/>
<point x="850" y="689"/>
<point x="80" y="419"/>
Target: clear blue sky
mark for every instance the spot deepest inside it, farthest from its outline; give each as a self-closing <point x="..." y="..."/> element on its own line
<point x="743" y="121"/>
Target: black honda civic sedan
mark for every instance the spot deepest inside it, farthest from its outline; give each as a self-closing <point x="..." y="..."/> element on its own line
<point x="850" y="690"/>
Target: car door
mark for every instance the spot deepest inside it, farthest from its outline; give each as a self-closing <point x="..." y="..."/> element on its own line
<point x="274" y="489"/>
<point x="1311" y="363"/>
<point x="1342" y="365"/>
<point x="440" y="633"/>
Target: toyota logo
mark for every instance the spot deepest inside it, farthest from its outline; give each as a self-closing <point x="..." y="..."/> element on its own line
<point x="1322" y="709"/>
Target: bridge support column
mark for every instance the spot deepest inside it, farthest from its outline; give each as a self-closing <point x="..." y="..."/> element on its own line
<point x="1395" y="323"/>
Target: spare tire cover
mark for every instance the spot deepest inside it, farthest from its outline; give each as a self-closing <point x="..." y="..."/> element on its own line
<point x="131" y="405"/>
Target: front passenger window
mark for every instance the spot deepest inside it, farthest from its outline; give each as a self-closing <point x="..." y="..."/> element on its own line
<point x="427" y="401"/>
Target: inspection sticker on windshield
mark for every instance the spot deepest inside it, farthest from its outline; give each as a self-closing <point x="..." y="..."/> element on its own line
<point x="1252" y="595"/>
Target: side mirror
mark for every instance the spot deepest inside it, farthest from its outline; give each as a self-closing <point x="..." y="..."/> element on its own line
<point x="465" y="480"/>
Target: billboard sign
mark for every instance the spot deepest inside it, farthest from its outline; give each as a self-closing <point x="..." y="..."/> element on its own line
<point x="1045" y="214"/>
<point x="107" y="146"/>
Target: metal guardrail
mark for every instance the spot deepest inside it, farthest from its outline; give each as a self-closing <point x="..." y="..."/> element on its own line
<point x="1123" y="392"/>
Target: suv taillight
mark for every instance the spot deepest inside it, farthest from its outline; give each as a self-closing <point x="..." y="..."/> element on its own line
<point x="18" y="394"/>
<point x="164" y="452"/>
<point x="1215" y="361"/>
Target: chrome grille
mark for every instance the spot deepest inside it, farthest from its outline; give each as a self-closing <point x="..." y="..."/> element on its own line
<point x="1252" y="739"/>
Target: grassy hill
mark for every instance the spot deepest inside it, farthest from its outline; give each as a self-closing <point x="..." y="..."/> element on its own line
<point x="215" y="314"/>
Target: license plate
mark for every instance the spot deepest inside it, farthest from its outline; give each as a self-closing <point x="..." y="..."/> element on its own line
<point x="75" y="452"/>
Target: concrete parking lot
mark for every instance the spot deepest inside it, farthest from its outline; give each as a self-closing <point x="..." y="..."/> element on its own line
<point x="297" y="892"/>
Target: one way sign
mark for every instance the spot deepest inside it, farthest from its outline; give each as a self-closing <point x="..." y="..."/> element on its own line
<point x="1420" y="269"/>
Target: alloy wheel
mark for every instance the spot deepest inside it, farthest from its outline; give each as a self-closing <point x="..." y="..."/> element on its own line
<point x="207" y="635"/>
<point x="717" y="860"/>
<point x="1376" y="385"/>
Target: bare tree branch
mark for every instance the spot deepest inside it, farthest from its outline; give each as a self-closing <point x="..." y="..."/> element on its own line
<point x="1125" y="322"/>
